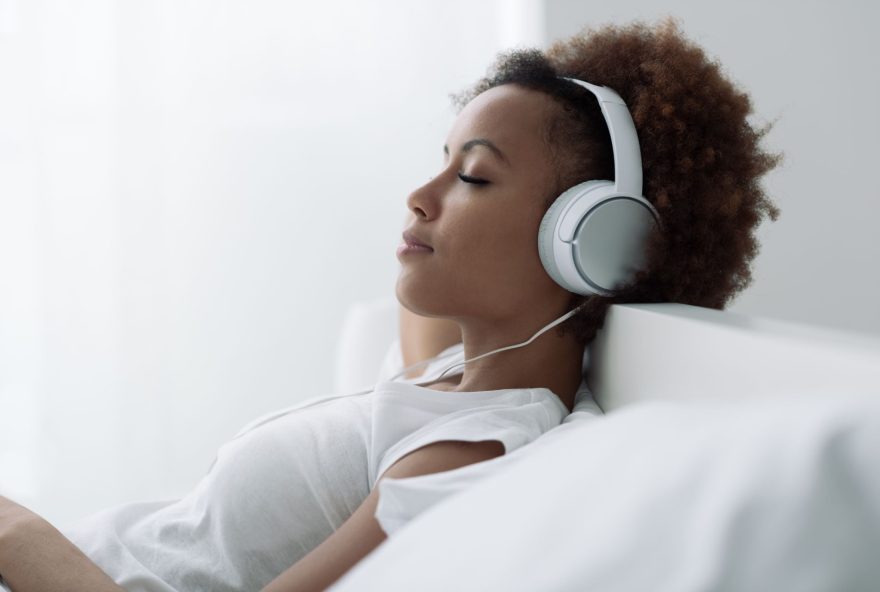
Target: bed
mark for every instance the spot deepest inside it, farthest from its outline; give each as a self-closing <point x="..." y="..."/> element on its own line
<point x="734" y="453"/>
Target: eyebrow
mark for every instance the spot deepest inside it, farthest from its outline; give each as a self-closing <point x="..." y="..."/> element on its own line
<point x="480" y="142"/>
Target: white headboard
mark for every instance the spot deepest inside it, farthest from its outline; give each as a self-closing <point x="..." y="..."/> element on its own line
<point x="666" y="351"/>
<point x="676" y="351"/>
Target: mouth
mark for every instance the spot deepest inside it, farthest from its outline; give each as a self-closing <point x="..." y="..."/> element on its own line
<point x="412" y="242"/>
<point x="412" y="246"/>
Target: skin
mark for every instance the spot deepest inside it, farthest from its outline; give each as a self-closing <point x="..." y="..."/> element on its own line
<point x="422" y="338"/>
<point x="484" y="272"/>
<point x="35" y="556"/>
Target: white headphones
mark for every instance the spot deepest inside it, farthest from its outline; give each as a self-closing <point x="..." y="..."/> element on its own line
<point x="592" y="239"/>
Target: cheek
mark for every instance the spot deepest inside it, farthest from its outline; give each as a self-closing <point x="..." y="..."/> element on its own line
<point x="503" y="247"/>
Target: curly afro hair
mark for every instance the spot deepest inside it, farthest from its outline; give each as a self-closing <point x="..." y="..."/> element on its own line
<point x="701" y="159"/>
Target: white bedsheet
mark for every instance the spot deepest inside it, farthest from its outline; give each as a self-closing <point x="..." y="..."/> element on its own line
<point x="776" y="494"/>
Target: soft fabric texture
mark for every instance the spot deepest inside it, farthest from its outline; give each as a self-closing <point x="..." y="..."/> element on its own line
<point x="286" y="481"/>
<point x="368" y="329"/>
<point x="739" y="495"/>
<point x="400" y="500"/>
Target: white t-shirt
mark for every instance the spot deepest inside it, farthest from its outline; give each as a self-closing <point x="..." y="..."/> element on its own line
<point x="287" y="480"/>
<point x="402" y="500"/>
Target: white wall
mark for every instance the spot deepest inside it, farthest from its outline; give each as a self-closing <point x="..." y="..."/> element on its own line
<point x="191" y="196"/>
<point x="812" y="66"/>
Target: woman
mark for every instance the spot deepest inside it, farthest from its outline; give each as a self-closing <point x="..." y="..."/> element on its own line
<point x="470" y="272"/>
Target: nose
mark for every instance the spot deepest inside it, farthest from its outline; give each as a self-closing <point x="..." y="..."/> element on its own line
<point x="423" y="201"/>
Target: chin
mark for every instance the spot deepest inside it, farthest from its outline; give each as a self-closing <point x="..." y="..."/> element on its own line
<point x="421" y="301"/>
<point x="404" y="297"/>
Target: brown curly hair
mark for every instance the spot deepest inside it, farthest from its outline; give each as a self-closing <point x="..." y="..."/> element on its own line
<point x="701" y="159"/>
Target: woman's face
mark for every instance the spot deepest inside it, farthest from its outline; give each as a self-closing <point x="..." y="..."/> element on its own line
<point x="484" y="261"/>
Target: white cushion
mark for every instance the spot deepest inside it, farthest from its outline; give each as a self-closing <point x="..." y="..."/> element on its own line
<point x="368" y="330"/>
<point x="775" y="494"/>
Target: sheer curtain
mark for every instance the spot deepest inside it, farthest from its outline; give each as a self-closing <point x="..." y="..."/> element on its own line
<point x="191" y="195"/>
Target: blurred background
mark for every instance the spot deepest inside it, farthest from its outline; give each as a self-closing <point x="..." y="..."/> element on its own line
<point x="194" y="193"/>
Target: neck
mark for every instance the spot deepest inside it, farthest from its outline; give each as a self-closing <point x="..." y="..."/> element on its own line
<point x="550" y="361"/>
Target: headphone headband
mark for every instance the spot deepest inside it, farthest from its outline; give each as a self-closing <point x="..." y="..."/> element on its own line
<point x="592" y="238"/>
<point x="624" y="141"/>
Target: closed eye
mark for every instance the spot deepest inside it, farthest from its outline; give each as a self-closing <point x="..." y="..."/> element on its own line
<point x="473" y="180"/>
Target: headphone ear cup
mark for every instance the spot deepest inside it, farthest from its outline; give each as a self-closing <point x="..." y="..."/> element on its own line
<point x="548" y="231"/>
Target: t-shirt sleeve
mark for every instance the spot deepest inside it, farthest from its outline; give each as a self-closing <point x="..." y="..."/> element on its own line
<point x="512" y="425"/>
<point x="401" y="500"/>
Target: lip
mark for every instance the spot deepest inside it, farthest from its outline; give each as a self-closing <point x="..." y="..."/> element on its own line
<point x="405" y="249"/>
<point x="412" y="245"/>
<point x="412" y="241"/>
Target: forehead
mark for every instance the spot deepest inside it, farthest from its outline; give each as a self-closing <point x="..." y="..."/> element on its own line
<point x="512" y="117"/>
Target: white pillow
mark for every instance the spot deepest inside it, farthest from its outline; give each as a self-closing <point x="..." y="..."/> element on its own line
<point x="776" y="494"/>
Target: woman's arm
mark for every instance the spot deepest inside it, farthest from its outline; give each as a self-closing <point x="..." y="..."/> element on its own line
<point x="36" y="557"/>
<point x="361" y="533"/>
